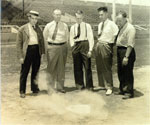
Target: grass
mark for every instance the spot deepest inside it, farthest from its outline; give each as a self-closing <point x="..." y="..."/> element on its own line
<point x="11" y="65"/>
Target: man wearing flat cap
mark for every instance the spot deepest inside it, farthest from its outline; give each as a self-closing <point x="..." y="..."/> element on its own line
<point x="56" y="38"/>
<point x="82" y="42"/>
<point x="30" y="47"/>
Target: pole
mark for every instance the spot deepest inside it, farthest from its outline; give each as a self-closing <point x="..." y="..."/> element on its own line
<point x="130" y="11"/>
<point x="114" y="10"/>
<point x="23" y="8"/>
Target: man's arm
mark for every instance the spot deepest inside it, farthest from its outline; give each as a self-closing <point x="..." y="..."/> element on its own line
<point x="131" y="43"/>
<point x="72" y="36"/>
<point x="90" y="39"/>
<point x="67" y="33"/>
<point x="45" y="35"/>
<point x="19" y="45"/>
<point x="115" y="30"/>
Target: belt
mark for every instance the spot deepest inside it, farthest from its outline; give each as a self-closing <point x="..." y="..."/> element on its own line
<point x="34" y="45"/>
<point x="81" y="41"/>
<point x="106" y="43"/>
<point x="121" y="47"/>
<point x="50" y="43"/>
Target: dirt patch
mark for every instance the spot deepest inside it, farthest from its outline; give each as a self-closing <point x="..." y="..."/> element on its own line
<point x="75" y="107"/>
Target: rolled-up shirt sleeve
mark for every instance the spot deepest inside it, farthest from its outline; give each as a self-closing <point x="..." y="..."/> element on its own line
<point x="131" y="37"/>
<point x="99" y="28"/>
<point x="45" y="35"/>
<point x="72" y="36"/>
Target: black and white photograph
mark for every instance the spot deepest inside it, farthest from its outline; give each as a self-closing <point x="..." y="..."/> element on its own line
<point x="75" y="62"/>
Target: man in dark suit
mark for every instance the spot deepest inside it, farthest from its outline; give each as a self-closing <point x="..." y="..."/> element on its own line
<point x="30" y="47"/>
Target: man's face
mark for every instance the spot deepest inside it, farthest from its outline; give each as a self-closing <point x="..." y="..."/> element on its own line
<point x="103" y="15"/>
<point x="120" y="21"/>
<point x="79" y="18"/>
<point x="33" y="20"/>
<point x="57" y="15"/>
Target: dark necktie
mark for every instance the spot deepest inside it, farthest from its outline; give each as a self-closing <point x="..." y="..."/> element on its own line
<point x="55" y="32"/>
<point x="78" y="32"/>
<point x="117" y="35"/>
<point x="34" y="27"/>
<point x="102" y="27"/>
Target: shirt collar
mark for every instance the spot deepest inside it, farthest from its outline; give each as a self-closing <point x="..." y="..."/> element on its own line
<point x="29" y="24"/>
<point x="80" y="23"/>
<point x="106" y="21"/>
<point x="55" y="22"/>
<point x="123" y="28"/>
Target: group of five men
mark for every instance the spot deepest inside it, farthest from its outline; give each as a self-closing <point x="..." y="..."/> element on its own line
<point x="53" y="42"/>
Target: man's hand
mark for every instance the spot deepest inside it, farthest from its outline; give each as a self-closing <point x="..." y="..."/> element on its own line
<point x="72" y="45"/>
<point x="89" y="54"/>
<point x="42" y="57"/>
<point x="21" y="60"/>
<point x="125" y="61"/>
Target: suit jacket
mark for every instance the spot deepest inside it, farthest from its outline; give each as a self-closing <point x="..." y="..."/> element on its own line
<point x="23" y="40"/>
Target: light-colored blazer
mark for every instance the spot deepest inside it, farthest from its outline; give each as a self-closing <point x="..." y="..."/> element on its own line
<point x="23" y="40"/>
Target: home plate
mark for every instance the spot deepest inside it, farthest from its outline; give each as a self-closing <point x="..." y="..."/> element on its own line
<point x="79" y="109"/>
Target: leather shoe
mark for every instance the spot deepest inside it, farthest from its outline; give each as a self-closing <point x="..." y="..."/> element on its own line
<point x="127" y="96"/>
<point x="99" y="88"/>
<point x="81" y="88"/>
<point x="36" y="91"/>
<point x="119" y="93"/>
<point x="22" y="95"/>
<point x="90" y="89"/>
<point x="61" y="91"/>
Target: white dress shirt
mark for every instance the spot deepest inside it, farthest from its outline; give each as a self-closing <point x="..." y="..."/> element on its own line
<point x="126" y="36"/>
<point x="86" y="33"/>
<point x="62" y="32"/>
<point x="109" y="32"/>
<point x="33" y="39"/>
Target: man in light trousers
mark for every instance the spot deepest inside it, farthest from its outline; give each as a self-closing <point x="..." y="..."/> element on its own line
<point x="56" y="39"/>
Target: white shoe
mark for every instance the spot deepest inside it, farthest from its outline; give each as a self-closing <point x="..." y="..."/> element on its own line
<point x="108" y="92"/>
<point x="99" y="88"/>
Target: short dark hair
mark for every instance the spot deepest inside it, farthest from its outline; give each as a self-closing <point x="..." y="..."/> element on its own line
<point x="79" y="12"/>
<point x="123" y="13"/>
<point x="105" y="9"/>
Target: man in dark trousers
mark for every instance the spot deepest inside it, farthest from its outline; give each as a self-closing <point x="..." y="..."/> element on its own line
<point x="125" y="55"/>
<point x="82" y="42"/>
<point x="30" y="47"/>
